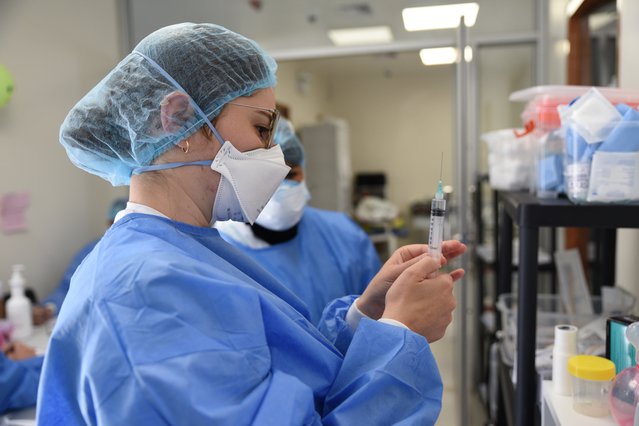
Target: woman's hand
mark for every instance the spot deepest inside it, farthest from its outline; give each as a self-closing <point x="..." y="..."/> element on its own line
<point x="373" y="301"/>
<point x="41" y="314"/>
<point x="422" y="299"/>
<point x="17" y="351"/>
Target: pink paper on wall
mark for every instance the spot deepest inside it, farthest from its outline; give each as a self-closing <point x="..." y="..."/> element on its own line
<point x="13" y="209"/>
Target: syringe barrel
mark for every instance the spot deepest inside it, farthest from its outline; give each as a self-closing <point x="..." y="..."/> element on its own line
<point x="436" y="233"/>
<point x="438" y="207"/>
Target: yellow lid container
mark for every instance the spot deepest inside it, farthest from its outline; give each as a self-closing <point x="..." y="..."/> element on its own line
<point x="590" y="367"/>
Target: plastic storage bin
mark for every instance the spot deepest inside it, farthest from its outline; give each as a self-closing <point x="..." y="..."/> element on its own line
<point x="591" y="379"/>
<point x="604" y="172"/>
<point x="542" y="114"/>
<point x="550" y="165"/>
<point x="551" y="312"/>
<point x="544" y="100"/>
<point x="509" y="159"/>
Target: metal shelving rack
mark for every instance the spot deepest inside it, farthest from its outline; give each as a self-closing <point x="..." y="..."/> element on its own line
<point x="529" y="214"/>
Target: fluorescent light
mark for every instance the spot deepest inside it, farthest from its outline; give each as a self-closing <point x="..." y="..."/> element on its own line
<point x="439" y="17"/>
<point x="363" y="35"/>
<point x="438" y="56"/>
<point x="468" y="54"/>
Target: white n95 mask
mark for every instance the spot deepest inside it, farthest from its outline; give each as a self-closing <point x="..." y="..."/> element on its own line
<point x="247" y="181"/>
<point x="285" y="208"/>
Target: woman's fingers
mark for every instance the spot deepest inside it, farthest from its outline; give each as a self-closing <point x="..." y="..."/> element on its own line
<point x="457" y="274"/>
<point x="452" y="249"/>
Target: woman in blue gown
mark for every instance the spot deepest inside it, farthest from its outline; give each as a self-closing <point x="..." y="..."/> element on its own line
<point x="319" y="255"/>
<point x="165" y="322"/>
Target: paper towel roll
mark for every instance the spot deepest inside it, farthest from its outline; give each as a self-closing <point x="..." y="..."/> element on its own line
<point x="565" y="347"/>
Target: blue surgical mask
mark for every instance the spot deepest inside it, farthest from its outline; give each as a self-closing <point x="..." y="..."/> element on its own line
<point x="285" y="208"/>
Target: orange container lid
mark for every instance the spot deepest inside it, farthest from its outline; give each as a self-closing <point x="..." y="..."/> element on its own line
<point x="543" y="101"/>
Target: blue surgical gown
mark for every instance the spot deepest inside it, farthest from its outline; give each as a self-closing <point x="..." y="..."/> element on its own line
<point x="330" y="257"/>
<point x="18" y="382"/>
<point x="57" y="297"/>
<point x="166" y="323"/>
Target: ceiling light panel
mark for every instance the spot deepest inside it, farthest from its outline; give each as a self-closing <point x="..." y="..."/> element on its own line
<point x="359" y="36"/>
<point x="439" y="17"/>
<point x="438" y="56"/>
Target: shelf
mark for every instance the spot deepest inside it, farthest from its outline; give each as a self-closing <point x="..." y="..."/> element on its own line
<point x="526" y="209"/>
<point x="557" y="411"/>
<point x="529" y="214"/>
<point x="486" y="253"/>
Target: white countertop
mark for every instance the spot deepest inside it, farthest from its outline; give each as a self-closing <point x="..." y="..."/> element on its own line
<point x="557" y="411"/>
<point x="39" y="339"/>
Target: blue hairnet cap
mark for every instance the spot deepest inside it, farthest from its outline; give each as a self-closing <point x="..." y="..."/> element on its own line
<point x="118" y="125"/>
<point x="117" y="205"/>
<point x="291" y="146"/>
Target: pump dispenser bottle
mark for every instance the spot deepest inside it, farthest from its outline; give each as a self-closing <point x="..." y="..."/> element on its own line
<point x="18" y="306"/>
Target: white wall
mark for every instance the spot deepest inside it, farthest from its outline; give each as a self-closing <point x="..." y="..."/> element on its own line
<point x="401" y="121"/>
<point x="628" y="240"/>
<point x="399" y="125"/>
<point x="56" y="52"/>
<point x="304" y="92"/>
<point x="557" y="41"/>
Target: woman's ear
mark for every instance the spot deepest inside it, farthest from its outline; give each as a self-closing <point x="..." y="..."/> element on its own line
<point x="175" y="111"/>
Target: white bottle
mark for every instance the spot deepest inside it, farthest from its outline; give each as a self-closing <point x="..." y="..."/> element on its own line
<point x="565" y="347"/>
<point x="18" y="306"/>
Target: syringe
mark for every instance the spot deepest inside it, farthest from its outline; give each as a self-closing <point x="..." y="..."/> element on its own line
<point x="437" y="211"/>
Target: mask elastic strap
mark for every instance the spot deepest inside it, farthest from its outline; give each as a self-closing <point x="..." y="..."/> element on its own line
<point x="156" y="167"/>
<point x="179" y="87"/>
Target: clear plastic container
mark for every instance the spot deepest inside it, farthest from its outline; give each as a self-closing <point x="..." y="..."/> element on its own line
<point x="604" y="172"/>
<point x="557" y="95"/>
<point x="509" y="159"/>
<point x="550" y="165"/>
<point x="543" y="102"/>
<point x="576" y="166"/>
<point x="624" y="396"/>
<point x="592" y="376"/>
<point x="551" y="312"/>
<point x="542" y="115"/>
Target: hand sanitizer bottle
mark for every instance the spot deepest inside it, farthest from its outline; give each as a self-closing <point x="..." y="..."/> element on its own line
<point x="18" y="306"/>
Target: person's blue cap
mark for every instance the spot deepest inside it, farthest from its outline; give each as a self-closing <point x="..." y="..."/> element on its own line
<point x="120" y="124"/>
<point x="291" y="146"/>
<point x="117" y="205"/>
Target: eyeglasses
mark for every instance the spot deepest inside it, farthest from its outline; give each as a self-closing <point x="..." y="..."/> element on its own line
<point x="267" y="133"/>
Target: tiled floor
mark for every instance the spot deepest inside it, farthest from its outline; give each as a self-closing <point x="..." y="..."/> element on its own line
<point x="448" y="361"/>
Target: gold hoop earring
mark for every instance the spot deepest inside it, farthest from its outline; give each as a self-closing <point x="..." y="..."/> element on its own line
<point x="186" y="150"/>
